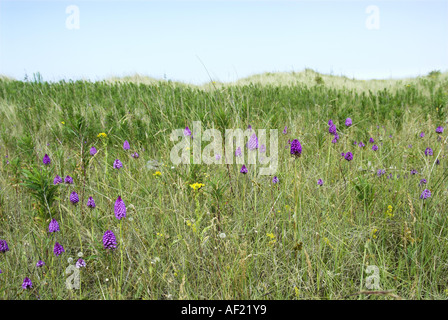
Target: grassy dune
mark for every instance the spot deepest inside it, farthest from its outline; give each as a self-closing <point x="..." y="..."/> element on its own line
<point x="239" y="236"/>
<point x="307" y="77"/>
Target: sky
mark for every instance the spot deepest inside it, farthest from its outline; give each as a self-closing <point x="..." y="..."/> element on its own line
<point x="210" y="40"/>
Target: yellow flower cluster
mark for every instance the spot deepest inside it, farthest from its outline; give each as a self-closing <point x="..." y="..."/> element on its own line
<point x="272" y="237"/>
<point x="197" y="186"/>
<point x="374" y="231"/>
<point x="389" y="213"/>
<point x="159" y="234"/>
<point x="102" y="135"/>
<point x="192" y="225"/>
<point x="157" y="173"/>
<point x="297" y="292"/>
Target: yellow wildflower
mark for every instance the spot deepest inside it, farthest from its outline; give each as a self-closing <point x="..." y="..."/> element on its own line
<point x="192" y="225"/>
<point x="389" y="212"/>
<point x="62" y="122"/>
<point x="157" y="173"/>
<point x="197" y="186"/>
<point x="272" y="237"/>
<point x="297" y="292"/>
<point x="102" y="135"/>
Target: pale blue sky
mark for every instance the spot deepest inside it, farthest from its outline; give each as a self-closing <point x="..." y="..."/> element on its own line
<point x="233" y="39"/>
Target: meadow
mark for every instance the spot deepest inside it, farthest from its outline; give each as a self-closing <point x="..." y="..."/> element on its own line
<point x="322" y="230"/>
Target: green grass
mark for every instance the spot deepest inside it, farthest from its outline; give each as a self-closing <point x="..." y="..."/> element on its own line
<point x="307" y="77"/>
<point x="293" y="240"/>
